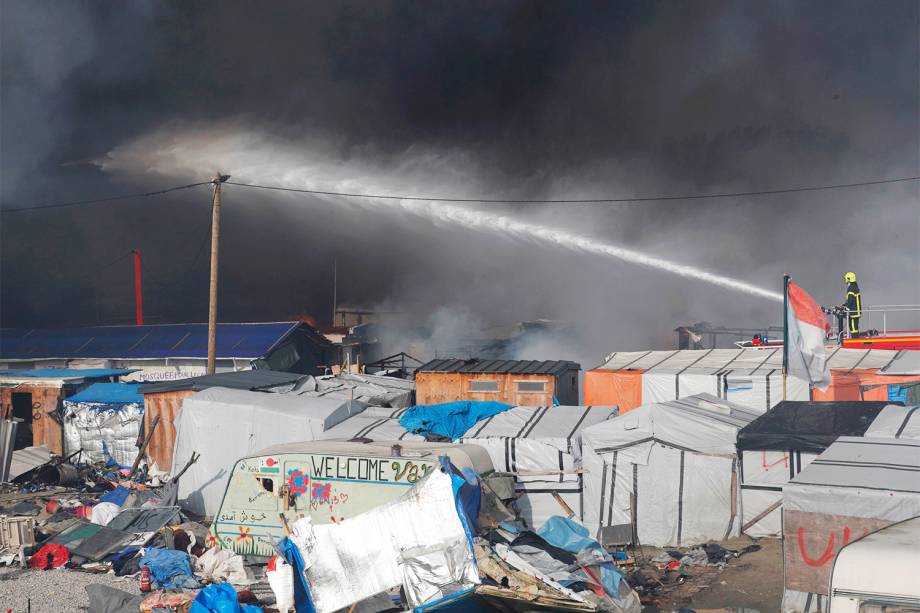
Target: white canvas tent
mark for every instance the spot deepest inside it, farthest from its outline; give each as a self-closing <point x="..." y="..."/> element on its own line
<point x="751" y="376"/>
<point x="668" y="469"/>
<point x="374" y="423"/>
<point x="225" y="424"/>
<point x="779" y="444"/>
<point x="546" y="442"/>
<point x="896" y="421"/>
<point x="858" y="485"/>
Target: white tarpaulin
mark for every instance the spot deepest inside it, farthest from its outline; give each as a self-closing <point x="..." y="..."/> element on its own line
<point x="373" y="390"/>
<point x="348" y="562"/>
<point x="750" y="376"/>
<point x="88" y="425"/>
<point x="856" y="485"/>
<point x="765" y="472"/>
<point x="545" y="441"/>
<point x="896" y="421"/>
<point x="224" y="425"/>
<point x="760" y="390"/>
<point x="523" y="439"/>
<point x="675" y="460"/>
<point x="104" y="414"/>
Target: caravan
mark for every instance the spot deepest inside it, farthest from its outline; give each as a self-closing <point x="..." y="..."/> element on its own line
<point x="329" y="481"/>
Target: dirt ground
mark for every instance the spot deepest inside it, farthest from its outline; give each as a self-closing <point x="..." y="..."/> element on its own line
<point x="751" y="583"/>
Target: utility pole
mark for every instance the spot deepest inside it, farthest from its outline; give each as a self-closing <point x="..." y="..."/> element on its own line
<point x="212" y="301"/>
<point x="138" y="291"/>
<point x="335" y="288"/>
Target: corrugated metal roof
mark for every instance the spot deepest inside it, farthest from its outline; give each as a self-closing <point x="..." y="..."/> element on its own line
<point x="521" y="367"/>
<point x="240" y="380"/>
<point x="714" y="360"/>
<point x="234" y="340"/>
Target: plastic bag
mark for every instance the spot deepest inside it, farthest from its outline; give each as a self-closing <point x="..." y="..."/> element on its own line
<point x="220" y="598"/>
<point x="280" y="577"/>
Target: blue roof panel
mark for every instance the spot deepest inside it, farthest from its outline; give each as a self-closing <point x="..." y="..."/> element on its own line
<point x="234" y="340"/>
<point x="109" y="393"/>
<point x="65" y="373"/>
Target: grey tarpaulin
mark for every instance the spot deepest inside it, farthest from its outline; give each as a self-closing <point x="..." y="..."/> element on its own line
<point x="105" y="599"/>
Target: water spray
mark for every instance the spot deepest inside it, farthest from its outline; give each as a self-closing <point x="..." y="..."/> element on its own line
<point x="259" y="158"/>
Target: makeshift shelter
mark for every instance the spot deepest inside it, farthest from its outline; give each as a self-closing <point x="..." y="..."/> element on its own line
<point x="225" y="424"/>
<point x="164" y="400"/>
<point x="543" y="443"/>
<point x="515" y="382"/>
<point x="776" y="446"/>
<point x="35" y="397"/>
<point x="751" y="376"/>
<point x="856" y="486"/>
<point x="665" y="474"/>
<point x="170" y="351"/>
<point x="542" y="447"/>
<point x="104" y="416"/>
<point x="372" y="390"/>
<point x="895" y="421"/>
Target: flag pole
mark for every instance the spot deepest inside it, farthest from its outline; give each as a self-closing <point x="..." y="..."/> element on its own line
<point x="785" y="330"/>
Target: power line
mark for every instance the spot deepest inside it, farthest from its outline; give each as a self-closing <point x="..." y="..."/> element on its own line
<point x="60" y="205"/>
<point x="576" y="201"/>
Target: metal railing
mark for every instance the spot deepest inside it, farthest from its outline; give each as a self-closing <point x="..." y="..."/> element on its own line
<point x="884" y="310"/>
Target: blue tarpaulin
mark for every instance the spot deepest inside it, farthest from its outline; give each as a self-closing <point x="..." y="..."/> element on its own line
<point x="169" y="568"/>
<point x="303" y="602"/>
<point x="65" y="373"/>
<point x="109" y="393"/>
<point x="451" y="419"/>
<point x="466" y="496"/>
<point x="567" y="534"/>
<point x="220" y="598"/>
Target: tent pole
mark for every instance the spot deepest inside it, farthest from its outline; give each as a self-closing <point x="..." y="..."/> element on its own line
<point x="785" y="330"/>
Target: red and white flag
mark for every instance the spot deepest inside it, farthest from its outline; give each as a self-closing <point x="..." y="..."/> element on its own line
<point x="807" y="327"/>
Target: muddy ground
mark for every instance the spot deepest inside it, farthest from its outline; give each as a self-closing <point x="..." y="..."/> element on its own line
<point x="752" y="583"/>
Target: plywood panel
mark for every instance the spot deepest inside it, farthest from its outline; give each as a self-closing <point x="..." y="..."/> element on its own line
<point x="437" y="388"/>
<point x="811" y="542"/>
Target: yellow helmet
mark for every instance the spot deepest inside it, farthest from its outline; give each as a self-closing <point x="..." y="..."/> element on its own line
<point x="850" y="277"/>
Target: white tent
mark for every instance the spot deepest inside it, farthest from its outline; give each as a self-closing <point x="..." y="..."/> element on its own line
<point x="544" y="440"/>
<point x="751" y="377"/>
<point x="896" y="421"/>
<point x="374" y="423"/>
<point x="666" y="469"/>
<point x="858" y="485"/>
<point x="546" y="443"/>
<point x="225" y="424"/>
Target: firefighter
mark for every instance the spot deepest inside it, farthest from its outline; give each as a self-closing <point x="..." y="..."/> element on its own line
<point x="853" y="304"/>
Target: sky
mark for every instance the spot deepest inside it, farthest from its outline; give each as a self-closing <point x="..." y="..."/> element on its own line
<point x="497" y="100"/>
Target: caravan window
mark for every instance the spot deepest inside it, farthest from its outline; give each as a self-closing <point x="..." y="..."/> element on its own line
<point x="531" y="386"/>
<point x="483" y="386"/>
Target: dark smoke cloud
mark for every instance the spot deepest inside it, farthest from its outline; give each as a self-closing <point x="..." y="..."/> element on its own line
<point x="540" y="99"/>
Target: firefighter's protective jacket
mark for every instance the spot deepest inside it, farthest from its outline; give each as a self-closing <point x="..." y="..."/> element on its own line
<point x="854" y="300"/>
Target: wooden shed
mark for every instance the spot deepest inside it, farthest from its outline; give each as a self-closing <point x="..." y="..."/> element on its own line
<point x="36" y="397"/>
<point x="516" y="382"/>
<point x="165" y="400"/>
